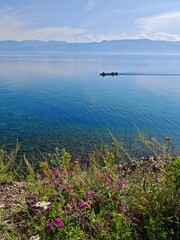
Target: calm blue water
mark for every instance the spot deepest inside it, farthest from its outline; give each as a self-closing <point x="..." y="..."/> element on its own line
<point x="62" y="101"/>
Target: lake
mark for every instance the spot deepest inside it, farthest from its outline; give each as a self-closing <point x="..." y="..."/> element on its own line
<point x="62" y="101"/>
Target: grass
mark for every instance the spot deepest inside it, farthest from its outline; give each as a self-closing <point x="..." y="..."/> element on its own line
<point x="110" y="195"/>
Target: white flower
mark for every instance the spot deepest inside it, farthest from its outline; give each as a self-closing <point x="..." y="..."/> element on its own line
<point x="104" y="169"/>
<point x="2" y="206"/>
<point x="35" y="237"/>
<point x="43" y="204"/>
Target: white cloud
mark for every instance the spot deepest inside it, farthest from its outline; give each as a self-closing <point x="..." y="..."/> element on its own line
<point x="101" y="37"/>
<point x="56" y="33"/>
<point x="155" y="36"/>
<point x="167" y="22"/>
<point x="90" y="5"/>
<point x="14" y="27"/>
<point x="160" y="36"/>
<point x="166" y="36"/>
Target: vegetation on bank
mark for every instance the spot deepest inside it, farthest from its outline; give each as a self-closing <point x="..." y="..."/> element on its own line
<point x="111" y="195"/>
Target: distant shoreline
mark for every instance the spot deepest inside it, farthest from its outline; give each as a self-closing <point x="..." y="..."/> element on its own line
<point x="140" y="46"/>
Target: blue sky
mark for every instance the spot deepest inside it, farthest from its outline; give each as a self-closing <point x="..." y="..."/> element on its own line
<point x="89" y="20"/>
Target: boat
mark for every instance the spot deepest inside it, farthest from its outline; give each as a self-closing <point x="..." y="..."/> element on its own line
<point x="103" y="74"/>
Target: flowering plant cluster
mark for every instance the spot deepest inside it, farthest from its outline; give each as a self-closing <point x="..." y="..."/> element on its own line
<point x="109" y="195"/>
<point x="77" y="196"/>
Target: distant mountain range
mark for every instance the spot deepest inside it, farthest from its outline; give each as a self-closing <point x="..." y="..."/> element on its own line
<point x="116" y="46"/>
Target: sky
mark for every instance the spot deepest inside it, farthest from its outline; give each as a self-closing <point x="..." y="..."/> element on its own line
<point x="89" y="20"/>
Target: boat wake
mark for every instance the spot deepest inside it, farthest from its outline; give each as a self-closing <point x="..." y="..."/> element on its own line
<point x="103" y="74"/>
<point x="151" y="74"/>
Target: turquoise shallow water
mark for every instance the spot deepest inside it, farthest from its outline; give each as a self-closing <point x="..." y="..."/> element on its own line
<point x="62" y="101"/>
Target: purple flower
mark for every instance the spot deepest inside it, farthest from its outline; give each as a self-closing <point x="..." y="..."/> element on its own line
<point x="58" y="183"/>
<point x="89" y="193"/>
<point x="48" y="183"/>
<point x="39" y="211"/>
<point x="59" y="222"/>
<point x="120" y="208"/>
<point x="84" y="204"/>
<point x="50" y="224"/>
<point x="42" y="177"/>
<point x="114" y="187"/>
<point x="35" y="200"/>
<point x="77" y="159"/>
<point x="72" y="206"/>
<point x="84" y="166"/>
<point x="121" y="183"/>
<point x="67" y="202"/>
<point x="49" y="207"/>
<point x="69" y="172"/>
<point x="64" y="189"/>
<point x="120" y="166"/>
<point x="107" y="184"/>
<point x="67" y="212"/>
<point x="68" y="185"/>
<point x="136" y="219"/>
<point x="110" y="176"/>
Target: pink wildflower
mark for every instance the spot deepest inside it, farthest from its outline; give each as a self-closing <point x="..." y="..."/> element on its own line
<point x="68" y="185"/>
<point x="89" y="193"/>
<point x="120" y="166"/>
<point x="72" y="206"/>
<point x="59" y="222"/>
<point x="121" y="183"/>
<point x="49" y="207"/>
<point x="47" y="183"/>
<point x="64" y="189"/>
<point x="84" y="166"/>
<point x="67" y="212"/>
<point x="84" y="204"/>
<point x="114" y="187"/>
<point x="136" y="219"/>
<point x="58" y="183"/>
<point x="121" y="208"/>
<point x="35" y="200"/>
<point x="110" y="177"/>
<point x="107" y="184"/>
<point x="39" y="211"/>
<point x="42" y="177"/>
<point x="77" y="159"/>
<point x="50" y="224"/>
